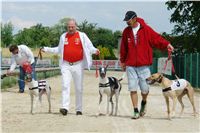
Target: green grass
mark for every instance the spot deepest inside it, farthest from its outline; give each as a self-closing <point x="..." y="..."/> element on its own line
<point x="9" y="82"/>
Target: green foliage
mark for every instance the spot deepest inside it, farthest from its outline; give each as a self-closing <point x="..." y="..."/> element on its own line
<point x="117" y="34"/>
<point x="112" y="55"/>
<point x="35" y="36"/>
<point x="103" y="37"/>
<point x="106" y="53"/>
<point x="6" y="34"/>
<point x="47" y="74"/>
<point x="89" y="29"/>
<point x="100" y="36"/>
<point x="39" y="35"/>
<point x="8" y="82"/>
<point x="55" y="59"/>
<point x="186" y="31"/>
<point x="57" y="30"/>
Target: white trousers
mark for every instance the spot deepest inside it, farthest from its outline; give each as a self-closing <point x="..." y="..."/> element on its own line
<point x="68" y="72"/>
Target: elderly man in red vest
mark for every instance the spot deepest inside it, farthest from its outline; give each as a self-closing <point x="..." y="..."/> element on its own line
<point x="75" y="50"/>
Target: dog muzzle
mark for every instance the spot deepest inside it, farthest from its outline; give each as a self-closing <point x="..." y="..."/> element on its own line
<point x="150" y="82"/>
<point x="102" y="75"/>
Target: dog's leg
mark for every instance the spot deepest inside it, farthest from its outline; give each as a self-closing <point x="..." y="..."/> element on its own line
<point x="40" y="100"/>
<point x="31" y="104"/>
<point x="108" y="102"/>
<point x="100" y="100"/>
<point x="49" y="97"/>
<point x="174" y="99"/>
<point x="168" y="109"/>
<point x="190" y="95"/>
<point x="35" y="103"/>
<point x="49" y="100"/>
<point x="181" y="102"/>
<point x="116" y="105"/>
<point x="112" y="105"/>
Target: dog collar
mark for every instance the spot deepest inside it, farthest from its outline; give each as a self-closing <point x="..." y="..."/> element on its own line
<point x="167" y="89"/>
<point x="33" y="88"/>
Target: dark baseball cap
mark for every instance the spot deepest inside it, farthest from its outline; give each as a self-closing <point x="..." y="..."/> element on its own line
<point x="129" y="15"/>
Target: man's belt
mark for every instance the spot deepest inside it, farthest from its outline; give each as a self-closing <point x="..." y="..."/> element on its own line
<point x="74" y="63"/>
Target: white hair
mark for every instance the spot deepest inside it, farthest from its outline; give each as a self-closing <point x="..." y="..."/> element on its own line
<point x="72" y="19"/>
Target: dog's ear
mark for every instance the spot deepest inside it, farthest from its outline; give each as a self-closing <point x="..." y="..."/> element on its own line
<point x="106" y="66"/>
<point x="161" y="74"/>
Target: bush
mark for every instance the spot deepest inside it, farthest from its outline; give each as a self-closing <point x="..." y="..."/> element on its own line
<point x="105" y="54"/>
<point x="9" y="82"/>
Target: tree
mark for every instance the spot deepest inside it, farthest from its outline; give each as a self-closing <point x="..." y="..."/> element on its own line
<point x="117" y="35"/>
<point x="6" y="34"/>
<point x="35" y="36"/>
<point x="104" y="37"/>
<point x="88" y="28"/>
<point x="100" y="36"/>
<point x="58" y="29"/>
<point x="186" y="15"/>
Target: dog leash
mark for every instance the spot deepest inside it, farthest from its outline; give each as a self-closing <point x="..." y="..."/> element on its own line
<point x="39" y="55"/>
<point x="168" y="59"/>
<point x="96" y="75"/>
<point x="166" y="62"/>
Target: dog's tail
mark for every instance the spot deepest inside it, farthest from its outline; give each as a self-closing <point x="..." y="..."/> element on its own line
<point x="176" y="76"/>
<point x="122" y="77"/>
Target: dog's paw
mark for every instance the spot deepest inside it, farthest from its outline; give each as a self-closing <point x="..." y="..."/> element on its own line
<point x="111" y="114"/>
<point x="180" y="115"/>
<point x="32" y="113"/>
<point x="172" y="114"/>
<point x="169" y="117"/>
<point x="107" y="114"/>
<point x="100" y="114"/>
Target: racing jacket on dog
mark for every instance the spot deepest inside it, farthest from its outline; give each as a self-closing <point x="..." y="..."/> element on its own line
<point x="179" y="84"/>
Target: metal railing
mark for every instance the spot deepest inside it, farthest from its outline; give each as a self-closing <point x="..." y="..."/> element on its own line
<point x="186" y="66"/>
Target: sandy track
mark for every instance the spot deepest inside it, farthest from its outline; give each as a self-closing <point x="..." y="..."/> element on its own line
<point x="16" y="107"/>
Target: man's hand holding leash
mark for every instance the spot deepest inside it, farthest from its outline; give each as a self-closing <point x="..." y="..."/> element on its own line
<point x="170" y="48"/>
<point x="97" y="52"/>
<point x="123" y="66"/>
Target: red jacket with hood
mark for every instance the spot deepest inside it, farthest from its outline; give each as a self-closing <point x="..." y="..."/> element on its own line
<point x="140" y="54"/>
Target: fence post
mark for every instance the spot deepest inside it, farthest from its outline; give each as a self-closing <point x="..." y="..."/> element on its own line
<point x="197" y="78"/>
<point x="190" y="68"/>
<point x="185" y="60"/>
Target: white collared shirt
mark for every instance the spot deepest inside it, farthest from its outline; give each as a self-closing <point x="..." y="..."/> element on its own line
<point x="24" y="55"/>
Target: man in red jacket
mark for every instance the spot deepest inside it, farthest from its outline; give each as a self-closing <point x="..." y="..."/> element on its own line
<point x="136" y="56"/>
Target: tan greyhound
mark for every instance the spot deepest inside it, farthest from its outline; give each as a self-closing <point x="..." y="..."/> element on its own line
<point x="174" y="89"/>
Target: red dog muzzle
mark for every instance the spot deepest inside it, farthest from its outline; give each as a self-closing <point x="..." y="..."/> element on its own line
<point x="27" y="67"/>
